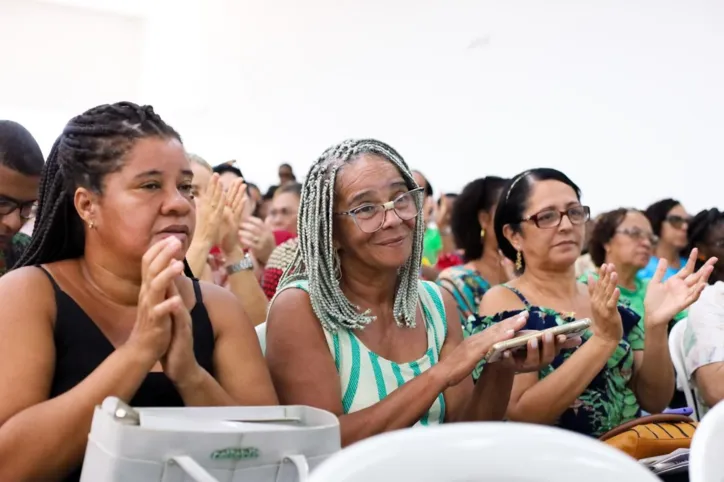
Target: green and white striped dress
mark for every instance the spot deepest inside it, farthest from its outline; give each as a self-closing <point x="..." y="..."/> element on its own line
<point x="366" y="378"/>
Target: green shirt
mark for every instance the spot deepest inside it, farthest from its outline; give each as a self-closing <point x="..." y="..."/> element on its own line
<point x="431" y="246"/>
<point x="11" y="255"/>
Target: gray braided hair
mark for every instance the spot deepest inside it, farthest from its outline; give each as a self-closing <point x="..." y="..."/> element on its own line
<point x="316" y="260"/>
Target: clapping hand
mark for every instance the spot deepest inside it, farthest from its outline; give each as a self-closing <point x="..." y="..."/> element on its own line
<point x="210" y="212"/>
<point x="179" y="362"/>
<point x="665" y="299"/>
<point x="258" y="237"/>
<point x="604" y="294"/>
<point x="232" y="213"/>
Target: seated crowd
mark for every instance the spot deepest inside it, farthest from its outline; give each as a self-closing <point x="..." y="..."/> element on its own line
<point x="147" y="269"/>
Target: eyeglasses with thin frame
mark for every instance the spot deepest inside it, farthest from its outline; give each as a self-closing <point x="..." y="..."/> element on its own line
<point x="639" y="235"/>
<point x="8" y="206"/>
<point x="370" y="218"/>
<point x="678" y="221"/>
<point x="552" y="218"/>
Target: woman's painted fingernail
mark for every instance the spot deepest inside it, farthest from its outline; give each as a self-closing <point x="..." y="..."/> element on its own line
<point x="534" y="343"/>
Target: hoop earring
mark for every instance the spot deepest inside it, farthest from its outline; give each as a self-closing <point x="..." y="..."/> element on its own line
<point x="91" y="225"/>
<point x="519" y="261"/>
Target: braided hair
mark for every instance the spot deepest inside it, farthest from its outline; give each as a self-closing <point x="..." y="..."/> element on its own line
<point x="91" y="146"/>
<point x="316" y="260"/>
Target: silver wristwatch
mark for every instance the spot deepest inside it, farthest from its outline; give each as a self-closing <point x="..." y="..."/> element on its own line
<point x="243" y="265"/>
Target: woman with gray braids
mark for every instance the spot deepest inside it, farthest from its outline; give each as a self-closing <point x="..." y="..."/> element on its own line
<point x="354" y="331"/>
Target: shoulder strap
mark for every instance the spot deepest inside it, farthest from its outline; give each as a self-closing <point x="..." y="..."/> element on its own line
<point x="452" y="287"/>
<point x="197" y="291"/>
<point x="518" y="294"/>
<point x="56" y="287"/>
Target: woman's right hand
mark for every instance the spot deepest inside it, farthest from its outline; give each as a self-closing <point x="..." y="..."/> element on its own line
<point x="604" y="295"/>
<point x="151" y="333"/>
<point x="209" y="214"/>
<point x="236" y="200"/>
<point x="466" y="356"/>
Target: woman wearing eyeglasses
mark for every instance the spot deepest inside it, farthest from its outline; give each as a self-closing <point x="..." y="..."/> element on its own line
<point x="670" y="222"/>
<point x="607" y="380"/>
<point x="624" y="238"/>
<point x="353" y="330"/>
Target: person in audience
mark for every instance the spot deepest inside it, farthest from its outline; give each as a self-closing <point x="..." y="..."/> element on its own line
<point x="624" y="239"/>
<point x="218" y="217"/>
<point x="353" y="330"/>
<point x="280" y="259"/>
<point x="256" y="237"/>
<point x="432" y="242"/>
<point x="706" y="233"/>
<point x="584" y="264"/>
<point x="704" y="347"/>
<point x="256" y="199"/>
<point x="704" y="335"/>
<point x="616" y="371"/>
<point x="283" y="219"/>
<point x="21" y="162"/>
<point x="670" y="222"/>
<point x="472" y="226"/>
<point x="266" y="200"/>
<point x="100" y="305"/>
<point x="283" y="213"/>
<point x="286" y="175"/>
<point x="448" y="255"/>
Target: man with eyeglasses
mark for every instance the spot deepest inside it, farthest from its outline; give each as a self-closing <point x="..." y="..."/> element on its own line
<point x="21" y="162"/>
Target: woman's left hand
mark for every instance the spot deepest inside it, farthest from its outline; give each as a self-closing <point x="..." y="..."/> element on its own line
<point x="665" y="299"/>
<point x="539" y="352"/>
<point x="179" y="362"/>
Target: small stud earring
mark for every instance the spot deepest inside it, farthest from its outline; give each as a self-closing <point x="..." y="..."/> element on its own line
<point x="519" y="261"/>
<point x="91" y="225"/>
<point x="482" y="233"/>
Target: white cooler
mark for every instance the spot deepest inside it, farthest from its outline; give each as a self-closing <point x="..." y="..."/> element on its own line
<point x="214" y="444"/>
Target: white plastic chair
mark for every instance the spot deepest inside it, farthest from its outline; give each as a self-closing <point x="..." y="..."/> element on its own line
<point x="261" y="333"/>
<point x="490" y="451"/>
<point x="676" y="348"/>
<point x="706" y="463"/>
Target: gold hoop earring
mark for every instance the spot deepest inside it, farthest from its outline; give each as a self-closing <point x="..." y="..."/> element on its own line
<point x="519" y="261"/>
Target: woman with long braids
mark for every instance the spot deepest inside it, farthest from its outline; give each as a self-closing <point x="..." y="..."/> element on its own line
<point x="99" y="305"/>
<point x="354" y="331"/>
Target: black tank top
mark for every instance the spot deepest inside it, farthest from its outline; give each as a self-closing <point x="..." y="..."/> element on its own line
<point x="80" y="347"/>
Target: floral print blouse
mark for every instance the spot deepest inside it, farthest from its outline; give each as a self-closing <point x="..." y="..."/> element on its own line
<point x="608" y="401"/>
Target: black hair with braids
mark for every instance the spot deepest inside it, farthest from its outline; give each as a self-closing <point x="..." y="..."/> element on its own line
<point x="91" y="146"/>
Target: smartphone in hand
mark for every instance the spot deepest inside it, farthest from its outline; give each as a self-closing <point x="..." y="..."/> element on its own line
<point x="571" y="330"/>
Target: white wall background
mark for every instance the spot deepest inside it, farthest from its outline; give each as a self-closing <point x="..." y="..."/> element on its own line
<point x="624" y="96"/>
